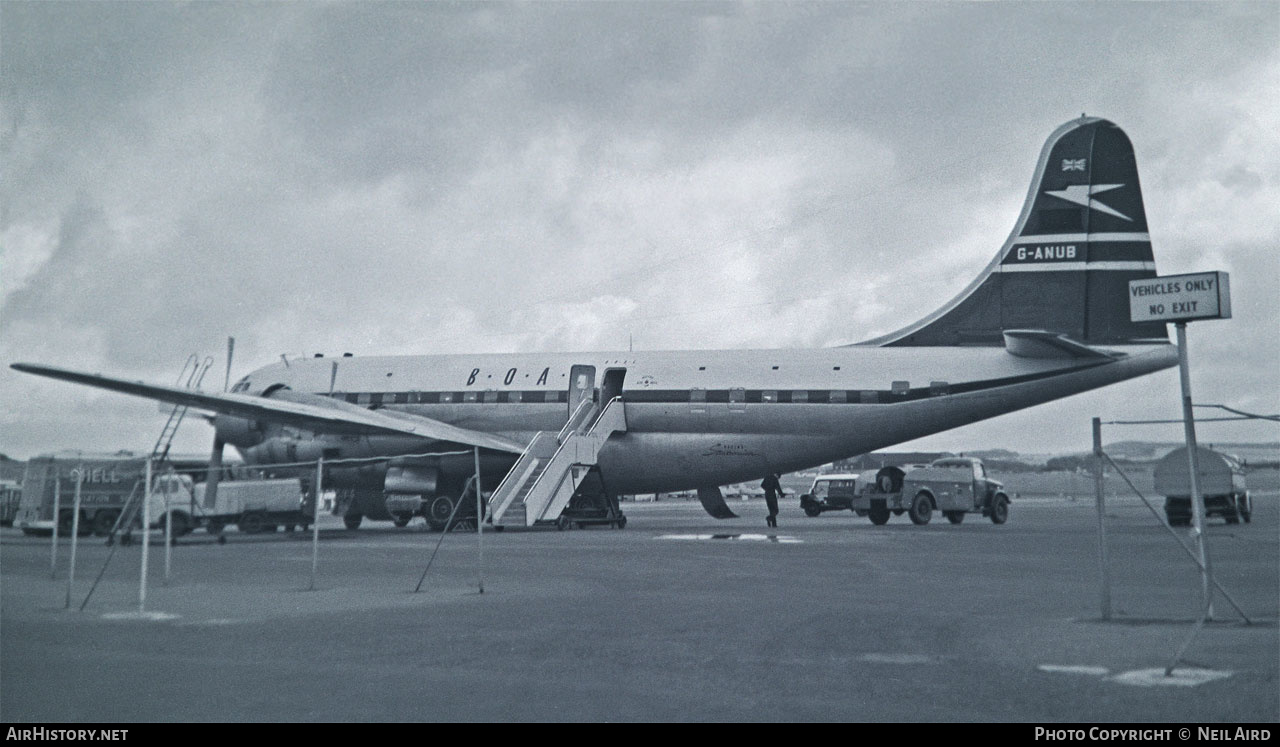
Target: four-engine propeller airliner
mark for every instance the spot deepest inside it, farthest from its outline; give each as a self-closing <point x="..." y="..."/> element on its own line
<point x="1047" y="318"/>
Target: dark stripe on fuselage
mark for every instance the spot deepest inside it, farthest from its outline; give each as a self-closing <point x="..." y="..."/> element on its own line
<point x="712" y="396"/>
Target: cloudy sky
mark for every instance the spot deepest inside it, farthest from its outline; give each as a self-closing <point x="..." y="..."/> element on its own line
<point x="385" y="178"/>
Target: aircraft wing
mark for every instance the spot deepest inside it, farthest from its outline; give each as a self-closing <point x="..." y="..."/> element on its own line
<point x="312" y="413"/>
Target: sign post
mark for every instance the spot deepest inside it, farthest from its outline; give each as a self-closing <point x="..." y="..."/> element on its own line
<point x="1181" y="299"/>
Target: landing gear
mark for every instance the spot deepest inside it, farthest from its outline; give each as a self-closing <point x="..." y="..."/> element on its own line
<point x="438" y="512"/>
<point x="352" y="521"/>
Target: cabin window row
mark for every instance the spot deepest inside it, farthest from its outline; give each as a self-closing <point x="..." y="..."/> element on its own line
<point x="376" y="399"/>
<point x="737" y="396"/>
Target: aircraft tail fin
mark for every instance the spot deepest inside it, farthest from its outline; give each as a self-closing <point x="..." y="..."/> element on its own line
<point x="1081" y="237"/>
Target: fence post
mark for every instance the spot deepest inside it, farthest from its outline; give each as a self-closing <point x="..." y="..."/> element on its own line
<point x="146" y="539"/>
<point x="315" y="520"/>
<point x="75" y="534"/>
<point x="1099" y="492"/>
<point x="479" y="518"/>
<point x="57" y="509"/>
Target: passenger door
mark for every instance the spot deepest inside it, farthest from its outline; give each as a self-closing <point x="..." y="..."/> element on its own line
<point x="582" y="386"/>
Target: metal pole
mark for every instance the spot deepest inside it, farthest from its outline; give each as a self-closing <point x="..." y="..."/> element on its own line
<point x="168" y="533"/>
<point x="1104" y="569"/>
<point x="146" y="539"/>
<point x="57" y="509"/>
<point x="479" y="519"/>
<point x="75" y="533"/>
<point x="1193" y="463"/>
<point x="315" y="521"/>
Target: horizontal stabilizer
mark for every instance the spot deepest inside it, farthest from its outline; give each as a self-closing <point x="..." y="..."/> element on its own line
<point x="315" y="414"/>
<point x="1039" y="343"/>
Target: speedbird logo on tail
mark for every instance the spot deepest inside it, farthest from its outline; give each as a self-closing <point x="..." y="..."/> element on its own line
<point x="1080" y="195"/>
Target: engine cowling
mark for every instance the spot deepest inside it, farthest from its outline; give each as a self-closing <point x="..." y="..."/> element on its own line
<point x="412" y="479"/>
<point x="240" y="432"/>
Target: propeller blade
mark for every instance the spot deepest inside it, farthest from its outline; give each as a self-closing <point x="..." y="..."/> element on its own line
<point x="214" y="474"/>
<point x="231" y="349"/>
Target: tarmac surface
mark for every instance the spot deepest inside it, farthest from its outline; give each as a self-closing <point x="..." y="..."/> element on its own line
<point x="678" y="617"/>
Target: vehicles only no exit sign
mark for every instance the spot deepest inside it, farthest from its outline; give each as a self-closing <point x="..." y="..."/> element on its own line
<point x="1180" y="298"/>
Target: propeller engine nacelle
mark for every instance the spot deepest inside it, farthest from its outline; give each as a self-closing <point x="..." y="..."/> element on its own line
<point x="239" y="432"/>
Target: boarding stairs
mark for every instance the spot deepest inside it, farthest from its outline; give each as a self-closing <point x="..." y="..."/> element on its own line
<point x="190" y="377"/>
<point x="554" y="466"/>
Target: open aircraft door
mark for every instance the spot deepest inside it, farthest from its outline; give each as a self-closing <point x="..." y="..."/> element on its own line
<point x="582" y="386"/>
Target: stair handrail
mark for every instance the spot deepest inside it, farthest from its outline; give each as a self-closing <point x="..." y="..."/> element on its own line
<point x="575" y="420"/>
<point x="605" y="411"/>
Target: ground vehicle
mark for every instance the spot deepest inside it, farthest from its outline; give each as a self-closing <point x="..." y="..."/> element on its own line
<point x="1221" y="481"/>
<point x="108" y="482"/>
<point x="829" y="493"/>
<point x="254" y="506"/>
<point x="10" y="495"/>
<point x="954" y="485"/>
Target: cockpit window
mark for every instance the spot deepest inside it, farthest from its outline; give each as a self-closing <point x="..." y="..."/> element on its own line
<point x="241" y="385"/>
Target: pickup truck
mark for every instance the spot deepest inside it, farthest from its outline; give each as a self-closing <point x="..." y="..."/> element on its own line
<point x="953" y="485"/>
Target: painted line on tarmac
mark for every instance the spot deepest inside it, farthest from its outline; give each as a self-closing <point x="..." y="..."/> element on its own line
<point x="140" y="616"/>
<point x="1178" y="678"/>
<point x="1074" y="669"/>
<point x="900" y="659"/>
<point x="774" y="538"/>
<point x="1186" y="677"/>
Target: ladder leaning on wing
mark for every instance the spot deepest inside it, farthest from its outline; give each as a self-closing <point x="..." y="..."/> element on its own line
<point x="192" y="374"/>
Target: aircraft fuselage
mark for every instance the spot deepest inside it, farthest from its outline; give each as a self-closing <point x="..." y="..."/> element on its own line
<point x="696" y="418"/>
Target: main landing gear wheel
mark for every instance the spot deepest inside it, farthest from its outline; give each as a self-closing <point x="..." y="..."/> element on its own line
<point x="438" y="512"/>
<point x="1000" y="509"/>
<point x="955" y="517"/>
<point x="921" y="509"/>
<point x="352" y="521"/>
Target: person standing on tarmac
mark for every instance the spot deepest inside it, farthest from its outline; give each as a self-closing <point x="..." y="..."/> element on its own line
<point x="772" y="489"/>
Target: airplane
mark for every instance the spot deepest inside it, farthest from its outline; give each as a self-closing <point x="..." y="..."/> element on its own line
<point x="1048" y="317"/>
